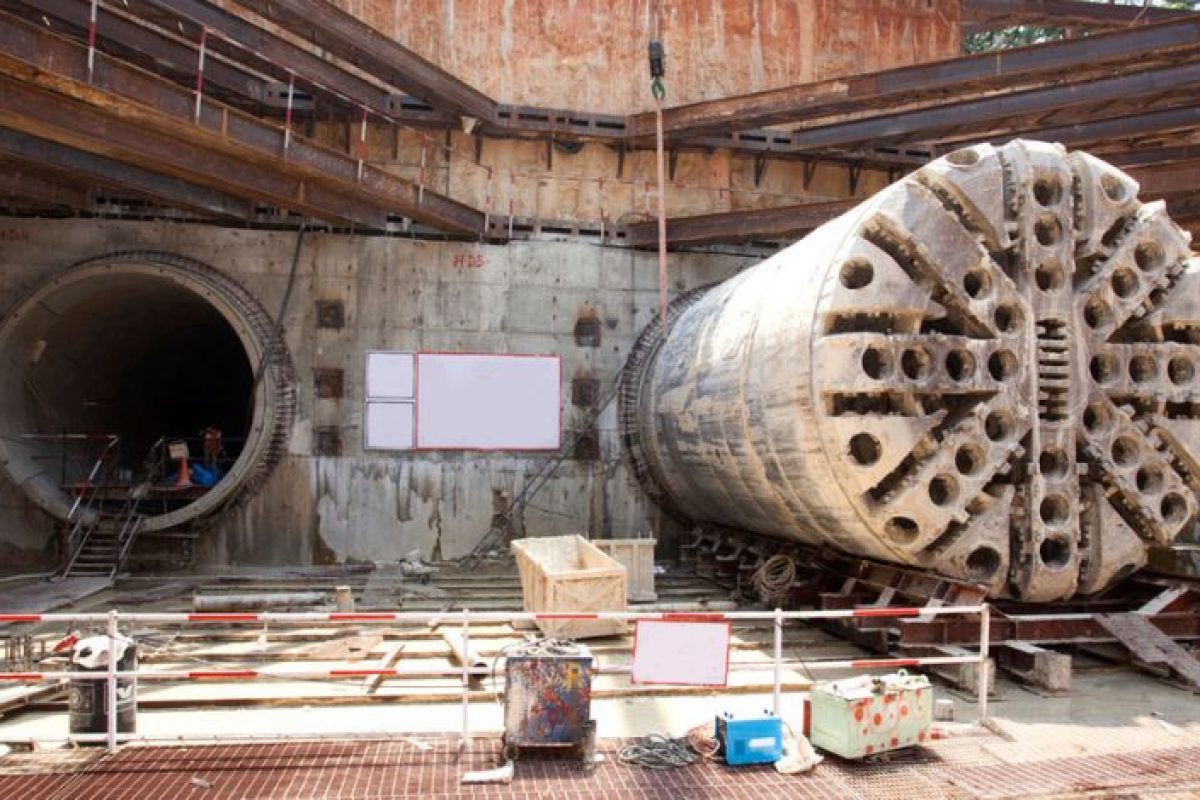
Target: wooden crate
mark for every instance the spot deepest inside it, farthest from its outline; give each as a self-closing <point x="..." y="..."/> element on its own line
<point x="637" y="556"/>
<point x="568" y="575"/>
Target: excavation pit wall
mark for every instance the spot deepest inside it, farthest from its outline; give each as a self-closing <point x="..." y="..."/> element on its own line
<point x="328" y="499"/>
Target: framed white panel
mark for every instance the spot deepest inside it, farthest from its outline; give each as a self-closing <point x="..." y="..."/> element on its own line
<point x="390" y="376"/>
<point x="390" y="425"/>
<point x="488" y="402"/>
<point x="681" y="652"/>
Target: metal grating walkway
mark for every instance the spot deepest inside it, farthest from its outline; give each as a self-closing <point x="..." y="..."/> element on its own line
<point x="405" y="768"/>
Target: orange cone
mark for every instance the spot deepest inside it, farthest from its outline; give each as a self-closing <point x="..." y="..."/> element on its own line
<point x="185" y="475"/>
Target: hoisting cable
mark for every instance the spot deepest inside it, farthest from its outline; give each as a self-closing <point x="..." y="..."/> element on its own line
<point x="659" y="90"/>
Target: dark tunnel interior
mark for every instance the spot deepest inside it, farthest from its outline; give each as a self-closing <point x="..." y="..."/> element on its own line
<point x="146" y="359"/>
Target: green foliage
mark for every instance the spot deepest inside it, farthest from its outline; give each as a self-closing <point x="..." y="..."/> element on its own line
<point x="1021" y="35"/>
<point x="1003" y="39"/>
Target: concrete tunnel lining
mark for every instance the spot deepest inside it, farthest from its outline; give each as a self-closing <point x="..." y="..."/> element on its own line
<point x="141" y="345"/>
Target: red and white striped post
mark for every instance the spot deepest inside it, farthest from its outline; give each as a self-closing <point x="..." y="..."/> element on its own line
<point x="110" y="688"/>
<point x="287" y="114"/>
<point x="985" y="638"/>
<point x="466" y="677"/>
<point x="93" y="17"/>
<point x="200" y="75"/>
<point x="777" y="692"/>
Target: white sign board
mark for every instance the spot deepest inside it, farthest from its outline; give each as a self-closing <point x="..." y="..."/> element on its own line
<point x="488" y="402"/>
<point x="389" y="425"/>
<point x="390" y="375"/>
<point x="681" y="652"/>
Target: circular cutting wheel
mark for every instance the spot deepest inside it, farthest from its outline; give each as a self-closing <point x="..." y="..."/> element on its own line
<point x="990" y="369"/>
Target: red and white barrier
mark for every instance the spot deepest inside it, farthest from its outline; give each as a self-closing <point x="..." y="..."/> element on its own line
<point x="486" y="616"/>
<point x="465" y="618"/>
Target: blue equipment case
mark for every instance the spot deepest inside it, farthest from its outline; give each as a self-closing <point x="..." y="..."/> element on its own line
<point x="750" y="740"/>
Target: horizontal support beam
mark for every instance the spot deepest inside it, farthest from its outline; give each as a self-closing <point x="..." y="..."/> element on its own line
<point x="33" y="56"/>
<point x="37" y="188"/>
<point x="270" y="54"/>
<point x="167" y="52"/>
<point x="988" y="15"/>
<point x="351" y="39"/>
<point x="986" y="114"/>
<point x="785" y="222"/>
<point x="127" y="177"/>
<point x="1108" y="131"/>
<point x="940" y="81"/>
<point x="274" y="55"/>
<point x="793" y="221"/>
<point x="1039" y="628"/>
<point x="1156" y="155"/>
<point x="43" y="114"/>
<point x="1164" y="180"/>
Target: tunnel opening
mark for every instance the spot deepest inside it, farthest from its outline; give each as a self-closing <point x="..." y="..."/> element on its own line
<point x="125" y="369"/>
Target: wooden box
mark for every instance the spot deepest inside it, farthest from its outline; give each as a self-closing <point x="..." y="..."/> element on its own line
<point x="637" y="555"/>
<point x="568" y="575"/>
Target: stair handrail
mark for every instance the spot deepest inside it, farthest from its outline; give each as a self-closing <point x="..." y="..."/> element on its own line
<point x="86" y="522"/>
<point x="131" y="526"/>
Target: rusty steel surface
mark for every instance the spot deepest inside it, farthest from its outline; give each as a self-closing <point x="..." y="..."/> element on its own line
<point x="988" y="370"/>
<point x="941" y="81"/>
<point x="128" y="114"/>
<point x="1172" y="173"/>
<point x="265" y="52"/>
<point x="1037" y="628"/>
<point x="21" y="182"/>
<point x="764" y="223"/>
<point x="987" y="15"/>
<point x="338" y="32"/>
<point x="87" y="167"/>
<point x="151" y="47"/>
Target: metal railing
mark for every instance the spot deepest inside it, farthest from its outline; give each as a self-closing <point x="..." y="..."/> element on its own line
<point x="84" y="515"/>
<point x="465" y="619"/>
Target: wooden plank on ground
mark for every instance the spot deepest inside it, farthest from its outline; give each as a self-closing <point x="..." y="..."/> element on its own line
<point x="391" y="654"/>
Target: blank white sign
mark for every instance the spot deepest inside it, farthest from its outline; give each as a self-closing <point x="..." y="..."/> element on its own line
<point x="389" y="425"/>
<point x="488" y="402"/>
<point x="389" y="375"/>
<point x="682" y="653"/>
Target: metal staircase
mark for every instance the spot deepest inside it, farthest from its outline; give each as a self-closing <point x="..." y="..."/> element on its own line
<point x="100" y="540"/>
<point x="104" y="544"/>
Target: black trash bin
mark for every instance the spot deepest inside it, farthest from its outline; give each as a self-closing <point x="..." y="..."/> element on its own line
<point x="87" y="701"/>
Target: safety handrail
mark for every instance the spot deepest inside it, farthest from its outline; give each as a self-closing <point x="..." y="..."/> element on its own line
<point x="88" y="520"/>
<point x="468" y="672"/>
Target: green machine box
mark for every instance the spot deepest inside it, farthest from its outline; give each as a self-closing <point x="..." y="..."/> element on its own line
<point x="866" y="715"/>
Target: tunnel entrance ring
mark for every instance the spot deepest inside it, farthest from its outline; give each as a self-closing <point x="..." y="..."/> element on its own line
<point x="142" y="345"/>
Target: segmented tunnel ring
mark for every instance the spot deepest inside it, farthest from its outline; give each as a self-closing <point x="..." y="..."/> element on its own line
<point x="99" y="280"/>
<point x="989" y="370"/>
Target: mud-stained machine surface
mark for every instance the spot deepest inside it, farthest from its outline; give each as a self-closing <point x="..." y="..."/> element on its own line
<point x="989" y="370"/>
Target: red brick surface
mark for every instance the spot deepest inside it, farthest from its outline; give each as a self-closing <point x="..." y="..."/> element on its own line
<point x="400" y="769"/>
